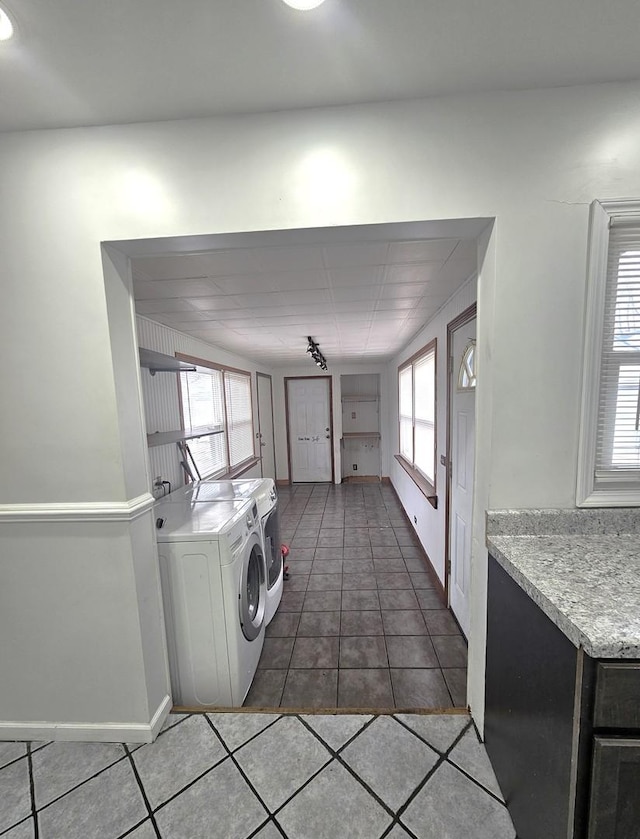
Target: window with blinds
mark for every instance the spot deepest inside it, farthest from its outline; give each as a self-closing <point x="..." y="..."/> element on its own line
<point x="217" y="403"/>
<point x="417" y="411"/>
<point x="237" y="388"/>
<point x="610" y="433"/>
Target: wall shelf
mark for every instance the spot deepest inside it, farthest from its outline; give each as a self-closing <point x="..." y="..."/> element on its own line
<point x="362" y="435"/>
<point x="164" y="438"/>
<point x="157" y="362"/>
<point x="360" y="398"/>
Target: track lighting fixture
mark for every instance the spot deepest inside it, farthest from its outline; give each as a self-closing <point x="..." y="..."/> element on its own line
<point x="314" y="351"/>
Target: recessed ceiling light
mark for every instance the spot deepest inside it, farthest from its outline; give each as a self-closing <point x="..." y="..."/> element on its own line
<point x="303" y="5"/>
<point x="6" y="27"/>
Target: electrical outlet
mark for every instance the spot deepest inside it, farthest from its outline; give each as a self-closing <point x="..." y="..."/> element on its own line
<point x="415" y="520"/>
<point x="353" y="414"/>
<point x="355" y="467"/>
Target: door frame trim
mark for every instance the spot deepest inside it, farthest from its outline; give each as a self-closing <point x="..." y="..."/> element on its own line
<point x="464" y="317"/>
<point x="273" y="421"/>
<point x="288" y="379"/>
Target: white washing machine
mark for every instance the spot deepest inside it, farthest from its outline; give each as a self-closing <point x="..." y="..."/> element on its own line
<point x="263" y="491"/>
<point x="266" y="498"/>
<point x="214" y="593"/>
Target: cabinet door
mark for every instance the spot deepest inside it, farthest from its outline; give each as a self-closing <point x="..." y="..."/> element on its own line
<point x="615" y="789"/>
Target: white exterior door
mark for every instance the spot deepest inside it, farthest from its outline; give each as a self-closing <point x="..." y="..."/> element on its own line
<point x="266" y="444"/>
<point x="462" y="452"/>
<point x="308" y="406"/>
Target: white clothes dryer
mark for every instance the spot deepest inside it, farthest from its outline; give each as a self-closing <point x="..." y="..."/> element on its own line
<point x="214" y="593"/>
<point x="263" y="491"/>
<point x="266" y="497"/>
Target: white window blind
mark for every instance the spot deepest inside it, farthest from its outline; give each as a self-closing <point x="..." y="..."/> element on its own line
<point x="239" y="416"/>
<point x="203" y="408"/>
<point x="202" y="398"/>
<point x="618" y="435"/>
<point x="417" y="412"/>
<point x="425" y="407"/>
<point x="406" y="412"/>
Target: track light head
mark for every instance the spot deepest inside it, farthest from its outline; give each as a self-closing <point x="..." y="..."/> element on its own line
<point x="314" y="351"/>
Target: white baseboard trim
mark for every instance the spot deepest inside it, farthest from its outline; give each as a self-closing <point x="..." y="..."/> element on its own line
<point x="82" y="732"/>
<point x="90" y="511"/>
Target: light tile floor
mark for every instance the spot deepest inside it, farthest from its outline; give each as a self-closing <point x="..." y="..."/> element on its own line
<point x="260" y="776"/>
<point x="360" y="624"/>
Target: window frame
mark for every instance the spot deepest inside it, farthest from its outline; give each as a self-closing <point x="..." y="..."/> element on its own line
<point x="424" y="483"/>
<point x="238" y="468"/>
<point x="590" y="492"/>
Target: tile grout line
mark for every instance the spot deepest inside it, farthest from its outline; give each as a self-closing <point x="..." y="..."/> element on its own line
<point x="143" y="792"/>
<point x="32" y="790"/>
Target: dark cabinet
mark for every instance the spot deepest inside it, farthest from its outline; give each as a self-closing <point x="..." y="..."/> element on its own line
<point x="614" y="811"/>
<point x="562" y="729"/>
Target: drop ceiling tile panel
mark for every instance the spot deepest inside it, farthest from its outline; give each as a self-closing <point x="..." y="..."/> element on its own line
<point x="368" y="275"/>
<point x="293" y="280"/>
<point x="466" y="249"/>
<point x="416" y="290"/>
<point x="389" y="317"/>
<point x="241" y="323"/>
<point x="168" y="267"/>
<point x="224" y="263"/>
<point x="244" y="332"/>
<point x="358" y="253"/>
<point x="456" y="271"/>
<point x="172" y="288"/>
<point x="354" y="317"/>
<point x="346" y="306"/>
<point x="151" y="307"/>
<point x="212" y="304"/>
<point x="244" y="284"/>
<point x="426" y="250"/>
<point x="284" y="298"/>
<point x="300" y="309"/>
<point x="285" y="321"/>
<point x="351" y="294"/>
<point x="421" y="273"/>
<point x="396" y="304"/>
<point x="300" y="258"/>
<point x="180" y="317"/>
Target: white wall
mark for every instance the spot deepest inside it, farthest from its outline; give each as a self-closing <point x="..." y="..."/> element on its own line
<point x="430" y="524"/>
<point x="160" y="392"/>
<point x="534" y="160"/>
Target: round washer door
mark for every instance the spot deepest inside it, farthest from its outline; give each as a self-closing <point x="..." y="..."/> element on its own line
<point x="251" y="597"/>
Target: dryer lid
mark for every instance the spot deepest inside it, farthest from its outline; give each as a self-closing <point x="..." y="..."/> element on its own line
<point x="263" y="490"/>
<point x="222" y="490"/>
<point x="183" y="521"/>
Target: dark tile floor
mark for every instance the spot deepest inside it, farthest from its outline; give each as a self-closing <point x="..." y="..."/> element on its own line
<point x="360" y="624"/>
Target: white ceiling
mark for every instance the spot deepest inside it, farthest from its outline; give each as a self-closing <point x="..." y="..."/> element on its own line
<point x="84" y="62"/>
<point x="361" y="297"/>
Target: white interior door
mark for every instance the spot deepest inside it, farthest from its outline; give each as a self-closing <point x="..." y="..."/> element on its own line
<point x="309" y="429"/>
<point x="462" y="452"/>
<point x="265" y="426"/>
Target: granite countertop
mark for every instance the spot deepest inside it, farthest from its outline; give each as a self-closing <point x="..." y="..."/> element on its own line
<point x="582" y="567"/>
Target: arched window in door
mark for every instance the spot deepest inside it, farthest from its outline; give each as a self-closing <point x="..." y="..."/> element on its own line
<point x="467" y="372"/>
